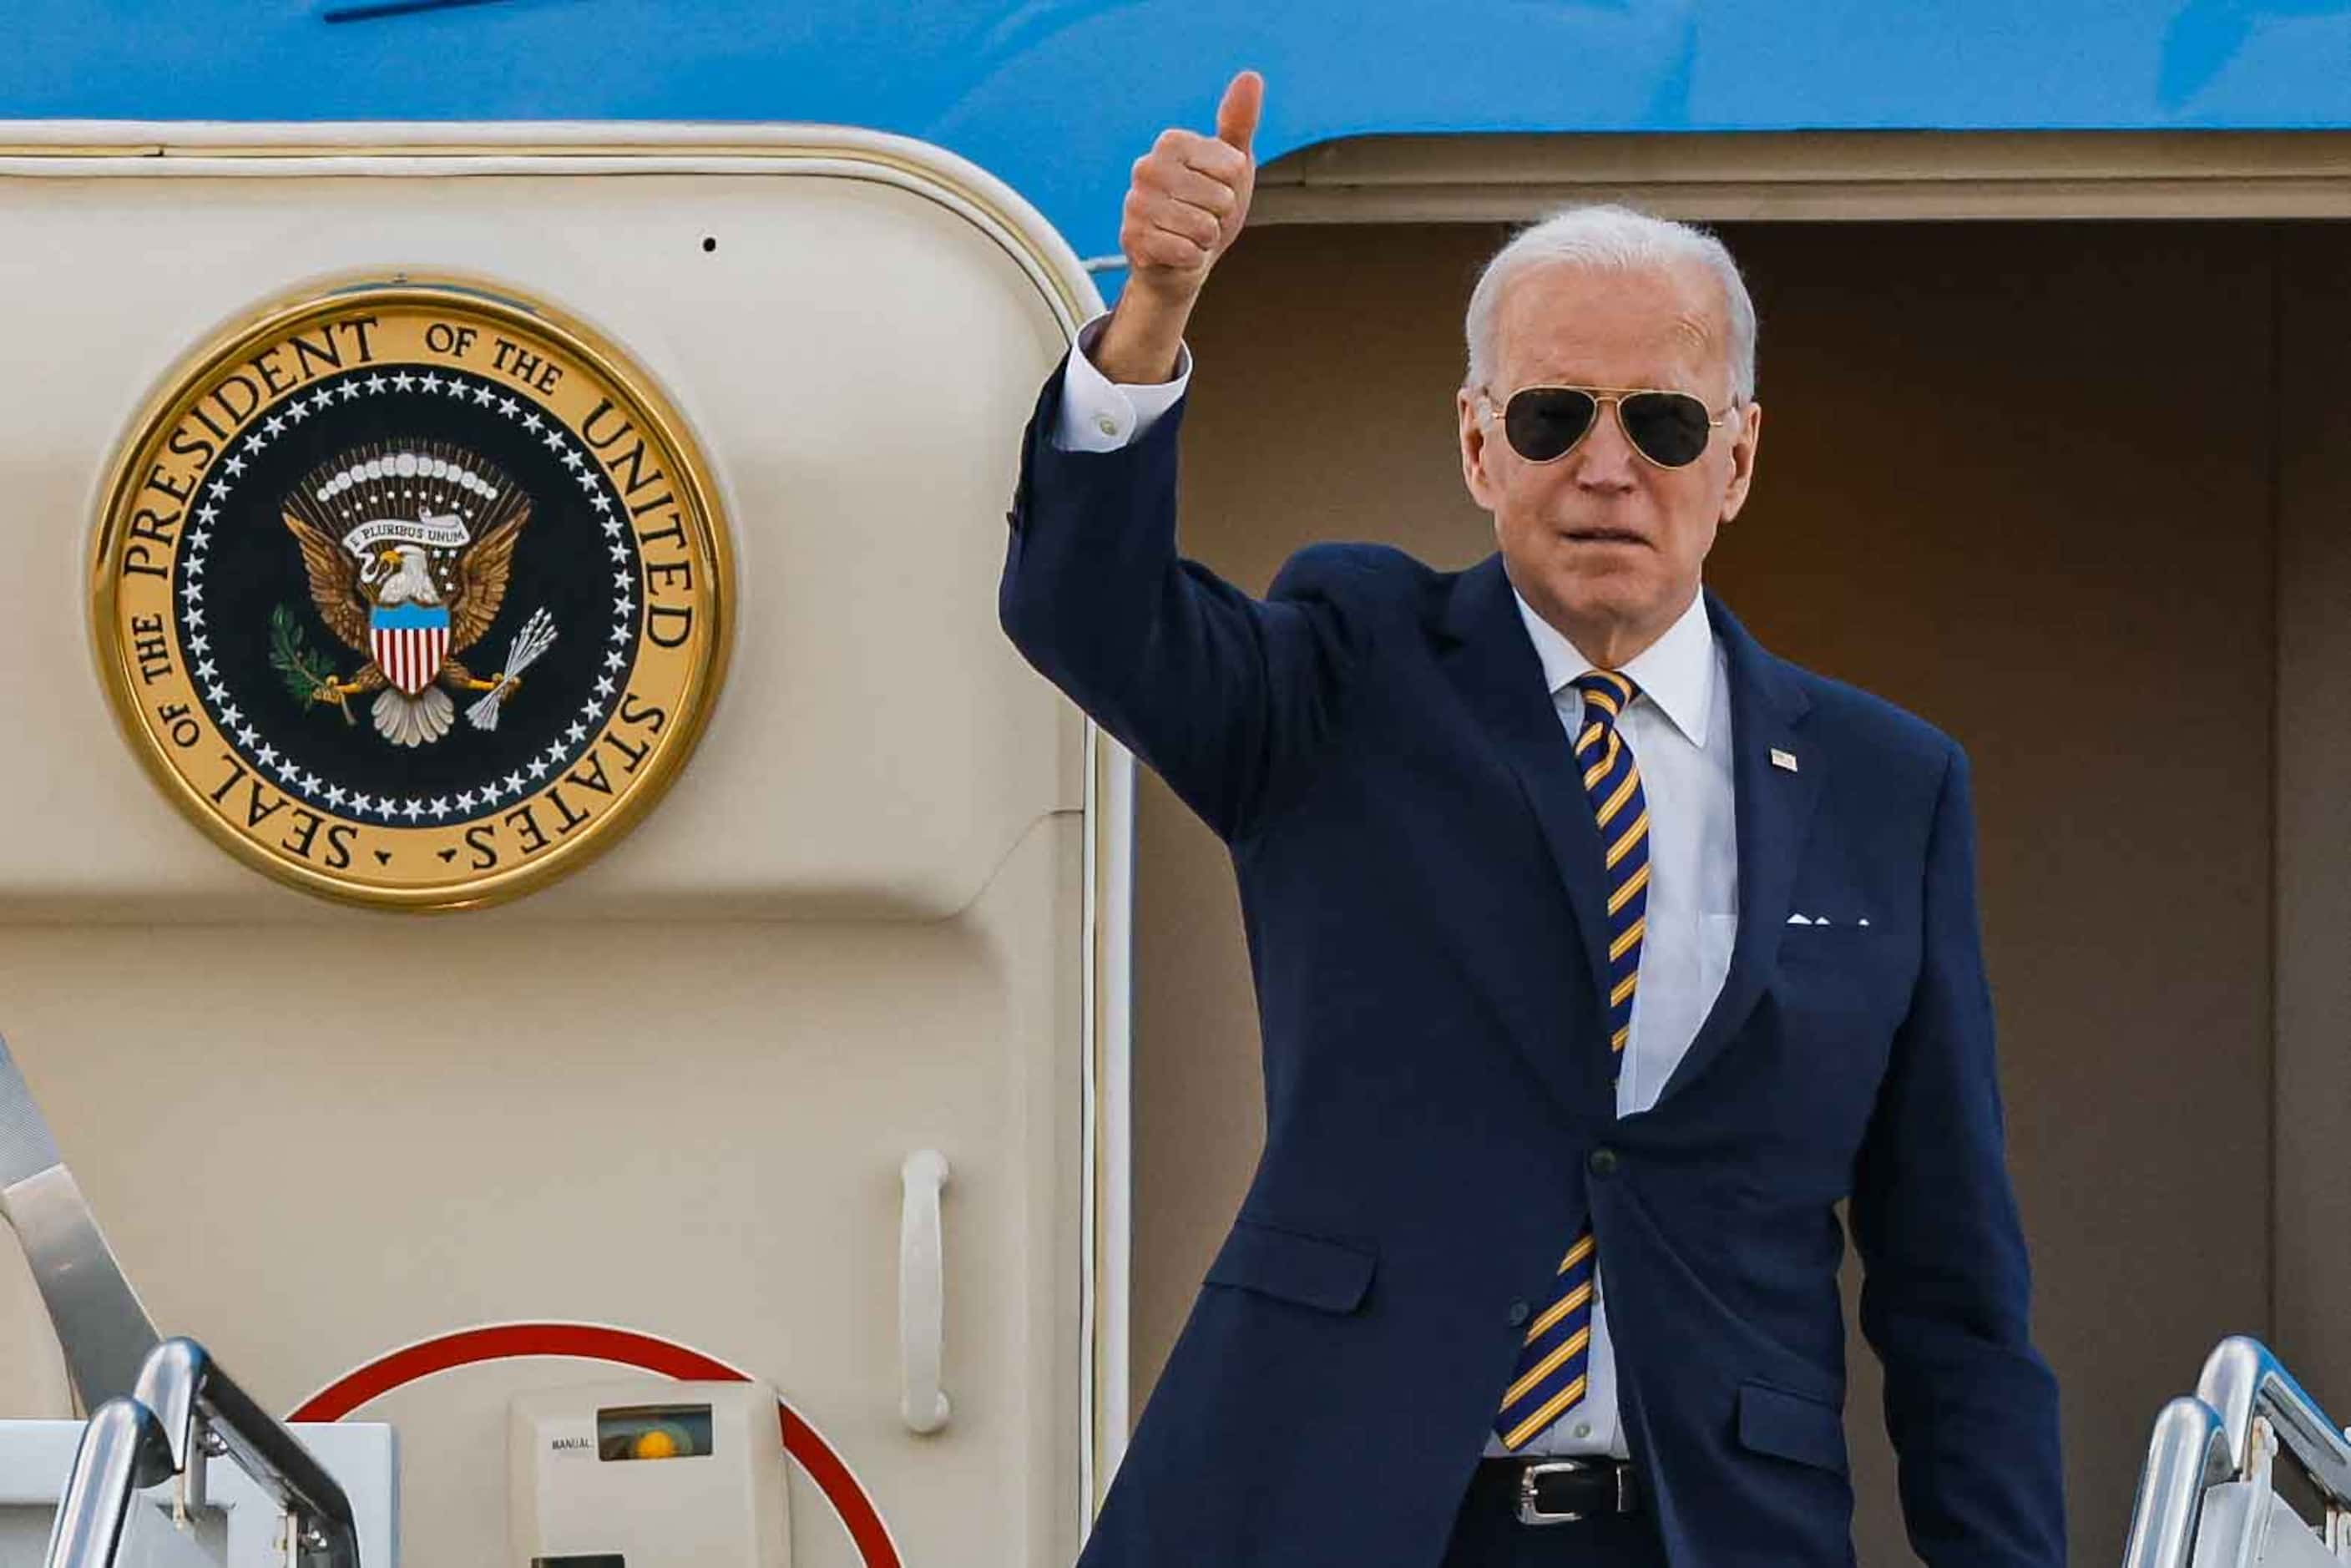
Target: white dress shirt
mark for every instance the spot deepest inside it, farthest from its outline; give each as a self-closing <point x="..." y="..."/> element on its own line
<point x="1678" y="728"/>
<point x="1098" y="414"/>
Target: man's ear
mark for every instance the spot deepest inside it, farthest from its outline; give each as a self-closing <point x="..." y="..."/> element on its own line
<point x="1742" y="460"/>
<point x="1473" y="449"/>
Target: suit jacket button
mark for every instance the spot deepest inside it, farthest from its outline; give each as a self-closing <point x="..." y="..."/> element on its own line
<point x="1518" y="1313"/>
<point x="1603" y="1161"/>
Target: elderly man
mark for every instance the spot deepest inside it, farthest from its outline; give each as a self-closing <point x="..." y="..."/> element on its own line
<point x="1598" y="952"/>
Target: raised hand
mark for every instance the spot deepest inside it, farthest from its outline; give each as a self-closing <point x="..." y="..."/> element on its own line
<point x="1186" y="204"/>
<point x="1190" y="196"/>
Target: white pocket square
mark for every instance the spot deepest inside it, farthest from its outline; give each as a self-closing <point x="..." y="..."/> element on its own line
<point x="1821" y="920"/>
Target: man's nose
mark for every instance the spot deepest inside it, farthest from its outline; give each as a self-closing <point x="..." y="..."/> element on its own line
<point x="1604" y="460"/>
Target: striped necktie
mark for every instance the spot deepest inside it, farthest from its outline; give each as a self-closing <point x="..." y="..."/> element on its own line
<point x="1554" y="1359"/>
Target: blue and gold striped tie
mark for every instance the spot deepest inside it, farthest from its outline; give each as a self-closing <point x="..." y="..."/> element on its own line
<point x="1553" y="1362"/>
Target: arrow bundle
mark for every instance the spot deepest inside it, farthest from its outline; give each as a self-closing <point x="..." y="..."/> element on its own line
<point x="537" y="634"/>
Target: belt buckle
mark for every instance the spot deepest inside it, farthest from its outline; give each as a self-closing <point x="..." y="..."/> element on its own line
<point x="1528" y="1514"/>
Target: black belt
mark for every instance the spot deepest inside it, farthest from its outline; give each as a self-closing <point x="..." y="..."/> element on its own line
<point x="1558" y="1491"/>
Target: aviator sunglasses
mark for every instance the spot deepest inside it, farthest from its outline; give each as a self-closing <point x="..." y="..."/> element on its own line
<point x="1544" y="424"/>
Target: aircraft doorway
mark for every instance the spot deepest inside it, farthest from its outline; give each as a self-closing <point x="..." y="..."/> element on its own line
<point x="2066" y="490"/>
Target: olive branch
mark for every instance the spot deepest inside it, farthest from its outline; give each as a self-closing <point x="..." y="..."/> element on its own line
<point x="307" y="677"/>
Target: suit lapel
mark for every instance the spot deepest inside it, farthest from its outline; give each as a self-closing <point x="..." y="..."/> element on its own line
<point x="1772" y="811"/>
<point x="1495" y="667"/>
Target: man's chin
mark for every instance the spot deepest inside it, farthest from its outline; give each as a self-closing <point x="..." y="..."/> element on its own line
<point x="1595" y="600"/>
<point x="1619" y="593"/>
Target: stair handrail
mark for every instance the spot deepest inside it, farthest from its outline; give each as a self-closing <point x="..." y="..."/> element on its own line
<point x="184" y="1412"/>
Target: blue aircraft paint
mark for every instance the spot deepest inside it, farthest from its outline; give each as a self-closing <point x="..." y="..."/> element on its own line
<point x="1059" y="97"/>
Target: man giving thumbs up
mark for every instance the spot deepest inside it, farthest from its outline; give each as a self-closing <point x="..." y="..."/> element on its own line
<point x="1599" y="954"/>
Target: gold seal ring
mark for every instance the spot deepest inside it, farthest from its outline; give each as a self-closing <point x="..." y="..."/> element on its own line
<point x="410" y="591"/>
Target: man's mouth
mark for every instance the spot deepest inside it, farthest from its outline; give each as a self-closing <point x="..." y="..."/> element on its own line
<point x="1616" y="536"/>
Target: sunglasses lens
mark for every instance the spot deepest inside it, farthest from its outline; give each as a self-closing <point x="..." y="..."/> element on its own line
<point x="1544" y="422"/>
<point x="1671" y="428"/>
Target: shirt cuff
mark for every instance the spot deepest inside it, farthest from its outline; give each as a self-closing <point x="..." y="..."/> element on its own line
<point x="1098" y="414"/>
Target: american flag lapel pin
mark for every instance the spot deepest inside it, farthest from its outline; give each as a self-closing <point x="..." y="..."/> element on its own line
<point x="1786" y="760"/>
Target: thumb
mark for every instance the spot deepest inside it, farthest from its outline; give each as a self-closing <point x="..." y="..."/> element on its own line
<point x="1237" y="116"/>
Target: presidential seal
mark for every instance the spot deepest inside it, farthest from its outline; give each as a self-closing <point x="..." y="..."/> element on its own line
<point x="412" y="593"/>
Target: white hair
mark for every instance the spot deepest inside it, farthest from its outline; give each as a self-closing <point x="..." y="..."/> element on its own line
<point x="1612" y="237"/>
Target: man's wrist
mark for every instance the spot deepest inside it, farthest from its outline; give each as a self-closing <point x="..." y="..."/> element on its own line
<point x="1097" y="415"/>
<point x="1140" y="343"/>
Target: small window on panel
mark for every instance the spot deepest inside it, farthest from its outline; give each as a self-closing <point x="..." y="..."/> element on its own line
<point x="653" y="1432"/>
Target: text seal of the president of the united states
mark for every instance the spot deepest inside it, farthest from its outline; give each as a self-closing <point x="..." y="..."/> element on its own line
<point x="412" y="593"/>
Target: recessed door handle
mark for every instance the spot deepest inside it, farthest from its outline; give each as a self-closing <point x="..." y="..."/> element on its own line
<point x="921" y="1291"/>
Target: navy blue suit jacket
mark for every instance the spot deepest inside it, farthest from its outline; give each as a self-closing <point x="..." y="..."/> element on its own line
<point x="1420" y="882"/>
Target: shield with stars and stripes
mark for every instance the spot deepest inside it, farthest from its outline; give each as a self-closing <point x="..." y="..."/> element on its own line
<point x="409" y="641"/>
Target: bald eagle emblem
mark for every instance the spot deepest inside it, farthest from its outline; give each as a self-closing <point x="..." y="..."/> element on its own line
<point x="408" y="549"/>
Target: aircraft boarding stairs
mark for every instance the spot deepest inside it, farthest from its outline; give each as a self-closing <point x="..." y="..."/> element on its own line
<point x="2207" y="1497"/>
<point x="138" y="1492"/>
<point x="138" y="1487"/>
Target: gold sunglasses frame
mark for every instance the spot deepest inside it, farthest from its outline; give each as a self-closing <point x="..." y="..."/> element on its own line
<point x="1612" y="397"/>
